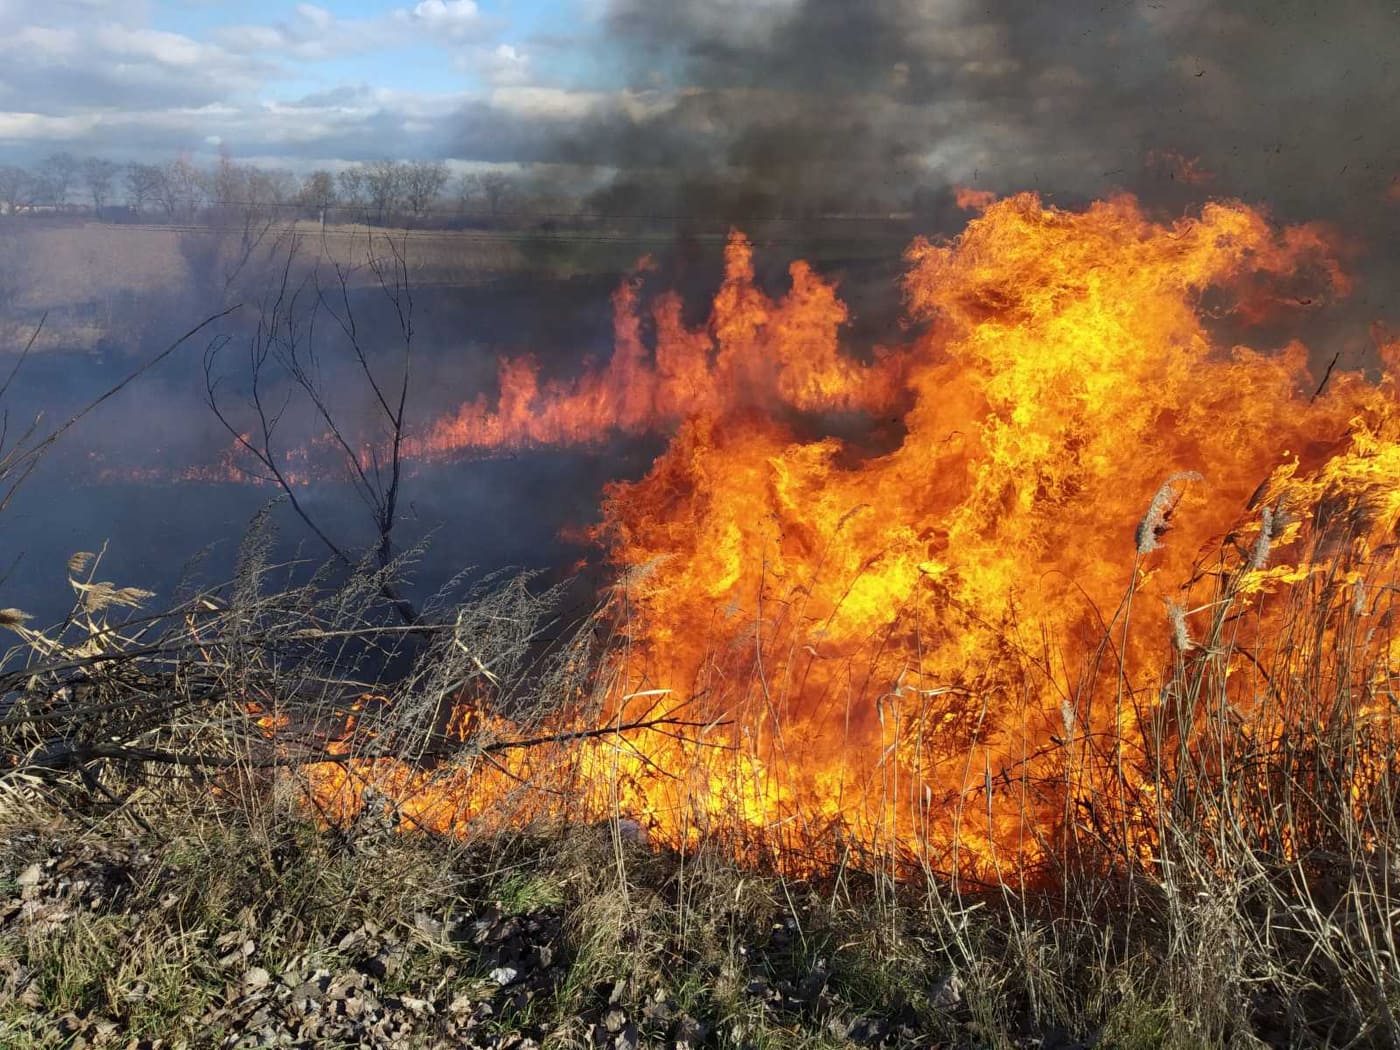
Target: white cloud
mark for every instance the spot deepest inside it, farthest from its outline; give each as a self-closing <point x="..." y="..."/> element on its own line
<point x="317" y="17"/>
<point x="35" y="127"/>
<point x="534" y="101"/>
<point x="316" y="33"/>
<point x="254" y="38"/>
<point x="43" y="42"/>
<point x="169" y="49"/>
<point x="98" y="77"/>
<point x="60" y="70"/>
<point x="547" y="102"/>
<point x="312" y="34"/>
<point x="507" y="65"/>
<point x="443" y="18"/>
<point x="447" y="14"/>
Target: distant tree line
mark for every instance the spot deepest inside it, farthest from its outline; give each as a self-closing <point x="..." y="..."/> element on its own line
<point x="428" y="194"/>
<point x="181" y="191"/>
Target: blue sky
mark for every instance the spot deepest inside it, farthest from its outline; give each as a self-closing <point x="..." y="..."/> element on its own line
<point x="429" y="63"/>
<point x="293" y="82"/>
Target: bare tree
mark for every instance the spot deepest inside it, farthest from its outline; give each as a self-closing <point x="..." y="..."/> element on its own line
<point x="465" y="190"/>
<point x="98" y="176"/>
<point x="181" y="190"/>
<point x="56" y="176"/>
<point x="384" y="184"/>
<point x="284" y="365"/>
<point x="143" y="183"/>
<point x="249" y="195"/>
<point x="490" y="191"/>
<point x="317" y="191"/>
<point x="227" y="182"/>
<point x="317" y="194"/>
<point x="270" y="188"/>
<point x="351" y="183"/>
<point x="422" y="185"/>
<point x="16" y="188"/>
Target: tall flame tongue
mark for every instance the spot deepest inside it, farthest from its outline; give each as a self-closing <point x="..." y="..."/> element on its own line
<point x="923" y="650"/>
<point x="755" y="351"/>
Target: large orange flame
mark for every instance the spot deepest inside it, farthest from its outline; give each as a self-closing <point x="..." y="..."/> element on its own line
<point x="755" y="352"/>
<point x="925" y="649"/>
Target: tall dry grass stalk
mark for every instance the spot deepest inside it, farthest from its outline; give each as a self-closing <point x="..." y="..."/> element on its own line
<point x="1235" y="881"/>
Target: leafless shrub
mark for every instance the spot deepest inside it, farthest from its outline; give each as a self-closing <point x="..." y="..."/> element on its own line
<point x="302" y="318"/>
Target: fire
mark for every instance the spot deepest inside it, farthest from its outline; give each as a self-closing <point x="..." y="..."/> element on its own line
<point x="1173" y="165"/>
<point x="754" y="352"/>
<point x="969" y="199"/>
<point x="952" y="649"/>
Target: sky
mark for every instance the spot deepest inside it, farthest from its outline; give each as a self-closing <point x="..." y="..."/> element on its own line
<point x="277" y="80"/>
<point x="846" y="104"/>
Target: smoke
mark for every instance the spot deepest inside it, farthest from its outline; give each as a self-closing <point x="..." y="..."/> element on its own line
<point x="733" y="111"/>
<point x="116" y="481"/>
<point x="836" y="105"/>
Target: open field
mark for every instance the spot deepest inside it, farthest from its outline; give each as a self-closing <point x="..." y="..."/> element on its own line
<point x="88" y="277"/>
<point x="64" y="261"/>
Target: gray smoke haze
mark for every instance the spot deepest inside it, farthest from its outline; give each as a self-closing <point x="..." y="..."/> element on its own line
<point x="835" y="104"/>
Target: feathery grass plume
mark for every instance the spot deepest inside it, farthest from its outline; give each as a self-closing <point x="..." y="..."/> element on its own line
<point x="98" y="596"/>
<point x="1068" y="718"/>
<point x="1155" y="522"/>
<point x="1181" y="636"/>
<point x="1358" y="599"/>
<point x="13" y="618"/>
<point x="638" y="574"/>
<point x="95" y="596"/>
<point x="1259" y="554"/>
<point x="78" y="563"/>
<point x="131" y="597"/>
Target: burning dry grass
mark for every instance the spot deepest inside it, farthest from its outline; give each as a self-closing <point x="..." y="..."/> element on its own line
<point x="974" y="740"/>
<point x="1231" y="884"/>
<point x="863" y="644"/>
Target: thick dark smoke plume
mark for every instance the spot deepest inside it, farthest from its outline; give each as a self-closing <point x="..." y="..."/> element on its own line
<point x="862" y="105"/>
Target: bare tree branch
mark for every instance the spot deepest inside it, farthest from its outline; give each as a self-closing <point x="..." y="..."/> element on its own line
<point x="285" y="346"/>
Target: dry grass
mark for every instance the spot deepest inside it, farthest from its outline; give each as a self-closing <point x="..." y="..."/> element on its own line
<point x="65" y="261"/>
<point x="97" y="283"/>
<point x="1249" y="902"/>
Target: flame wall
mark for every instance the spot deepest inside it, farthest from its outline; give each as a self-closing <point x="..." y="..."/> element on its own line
<point x="944" y="649"/>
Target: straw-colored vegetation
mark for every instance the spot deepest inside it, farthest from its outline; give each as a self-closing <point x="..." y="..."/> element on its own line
<point x="165" y="874"/>
<point x="95" y="281"/>
<point x="173" y="867"/>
